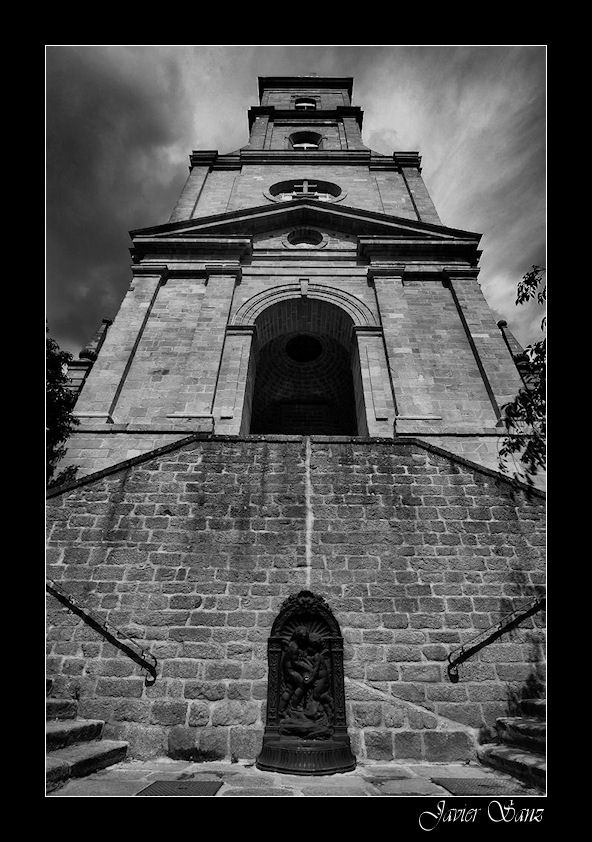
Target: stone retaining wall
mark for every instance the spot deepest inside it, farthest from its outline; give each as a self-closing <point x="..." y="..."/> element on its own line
<point x="194" y="551"/>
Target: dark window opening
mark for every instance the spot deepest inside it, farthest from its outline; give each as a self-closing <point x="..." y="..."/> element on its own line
<point x="305" y="141"/>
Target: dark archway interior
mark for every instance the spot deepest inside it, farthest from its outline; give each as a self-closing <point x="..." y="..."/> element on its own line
<point x="303" y="381"/>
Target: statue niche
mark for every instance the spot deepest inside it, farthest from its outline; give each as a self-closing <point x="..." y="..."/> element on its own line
<point x="305" y="731"/>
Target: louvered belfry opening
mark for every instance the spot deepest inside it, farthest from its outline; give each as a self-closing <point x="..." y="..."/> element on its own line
<point x="303" y="378"/>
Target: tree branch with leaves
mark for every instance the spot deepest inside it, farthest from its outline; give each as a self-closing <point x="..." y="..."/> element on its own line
<point x="59" y="421"/>
<point x="525" y="417"/>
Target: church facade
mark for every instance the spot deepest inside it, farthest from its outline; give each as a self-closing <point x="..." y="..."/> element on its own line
<point x="302" y="390"/>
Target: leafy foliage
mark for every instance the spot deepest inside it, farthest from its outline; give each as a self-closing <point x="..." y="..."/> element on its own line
<point x="525" y="417"/>
<point x="59" y="421"/>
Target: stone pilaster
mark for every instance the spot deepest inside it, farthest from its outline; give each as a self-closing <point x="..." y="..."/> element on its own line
<point x="495" y="363"/>
<point x="200" y="167"/>
<point x="425" y="208"/>
<point x="375" y="382"/>
<point x="352" y="133"/>
<point x="235" y="383"/>
<point x="410" y="384"/>
<point x="205" y="355"/>
<point x="100" y="393"/>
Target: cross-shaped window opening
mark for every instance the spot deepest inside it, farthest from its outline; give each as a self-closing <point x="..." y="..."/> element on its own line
<point x="306" y="188"/>
<point x="303" y="188"/>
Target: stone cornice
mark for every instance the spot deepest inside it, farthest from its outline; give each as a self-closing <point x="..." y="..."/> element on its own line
<point x="197" y="246"/>
<point x="304" y="82"/>
<point x="394" y="271"/>
<point x="395" y="248"/>
<point x="227" y="162"/>
<point x="228" y="270"/>
<point x="410" y="272"/>
<point x="150" y="270"/>
<point x="407" y="159"/>
<point x="273" y="157"/>
<point x="278" y="114"/>
<point x="170" y="271"/>
<point x="203" y="157"/>
<point x="452" y="273"/>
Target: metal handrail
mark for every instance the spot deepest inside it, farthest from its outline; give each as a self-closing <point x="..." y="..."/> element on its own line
<point x="130" y="648"/>
<point x="502" y="627"/>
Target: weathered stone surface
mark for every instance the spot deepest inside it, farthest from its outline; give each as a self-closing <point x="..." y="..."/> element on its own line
<point x="182" y="743"/>
<point x="168" y="713"/>
<point x="448" y="745"/>
<point x="394" y="717"/>
<point x="199" y="713"/>
<point x="249" y="792"/>
<point x="213" y="743"/>
<point x="245" y="742"/>
<point x="132" y="710"/>
<point x="235" y="713"/>
<point x="411" y="786"/>
<point x="379" y="745"/>
<point x="407" y="745"/>
<point x="144" y="741"/>
<point x="210" y="690"/>
<point x="367" y="714"/>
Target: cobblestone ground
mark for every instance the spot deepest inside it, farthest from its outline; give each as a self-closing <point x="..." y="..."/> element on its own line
<point x="244" y="779"/>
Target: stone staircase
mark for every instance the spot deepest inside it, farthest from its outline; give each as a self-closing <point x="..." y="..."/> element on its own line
<point x="74" y="747"/>
<point x="522" y="744"/>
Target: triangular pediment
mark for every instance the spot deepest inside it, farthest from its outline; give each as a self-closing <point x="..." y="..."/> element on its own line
<point x="266" y="218"/>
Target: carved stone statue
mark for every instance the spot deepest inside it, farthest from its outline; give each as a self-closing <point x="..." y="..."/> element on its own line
<point x="306" y="705"/>
<point x="305" y="731"/>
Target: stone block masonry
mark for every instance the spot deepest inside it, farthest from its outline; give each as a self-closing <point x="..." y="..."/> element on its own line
<point x="194" y="550"/>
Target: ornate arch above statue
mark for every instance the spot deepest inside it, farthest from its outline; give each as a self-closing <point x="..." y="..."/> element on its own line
<point x="360" y="313"/>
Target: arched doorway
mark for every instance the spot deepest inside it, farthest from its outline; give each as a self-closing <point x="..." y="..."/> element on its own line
<point x="304" y="380"/>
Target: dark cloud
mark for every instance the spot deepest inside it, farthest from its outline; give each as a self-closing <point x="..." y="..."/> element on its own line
<point x="122" y="120"/>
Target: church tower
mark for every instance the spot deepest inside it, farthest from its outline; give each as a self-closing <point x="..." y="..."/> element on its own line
<point x="301" y="389"/>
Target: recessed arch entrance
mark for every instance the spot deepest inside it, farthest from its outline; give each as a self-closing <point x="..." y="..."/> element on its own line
<point x="303" y="382"/>
<point x="306" y="359"/>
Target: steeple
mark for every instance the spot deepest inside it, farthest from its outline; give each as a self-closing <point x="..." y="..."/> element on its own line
<point x="293" y="106"/>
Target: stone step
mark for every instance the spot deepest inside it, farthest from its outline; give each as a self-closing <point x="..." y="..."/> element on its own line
<point x="62" y="733"/>
<point x="61" y="709"/>
<point x="534" y="707"/>
<point x="523" y="731"/>
<point x="524" y="765"/>
<point x="82" y="759"/>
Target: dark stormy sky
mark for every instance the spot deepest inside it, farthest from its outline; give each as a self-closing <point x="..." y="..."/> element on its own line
<point x="122" y="120"/>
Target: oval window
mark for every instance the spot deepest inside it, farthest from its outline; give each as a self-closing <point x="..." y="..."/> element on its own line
<point x="305" y="236"/>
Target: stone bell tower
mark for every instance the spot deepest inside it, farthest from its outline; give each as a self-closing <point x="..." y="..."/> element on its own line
<point x="304" y="284"/>
<point x="299" y="395"/>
